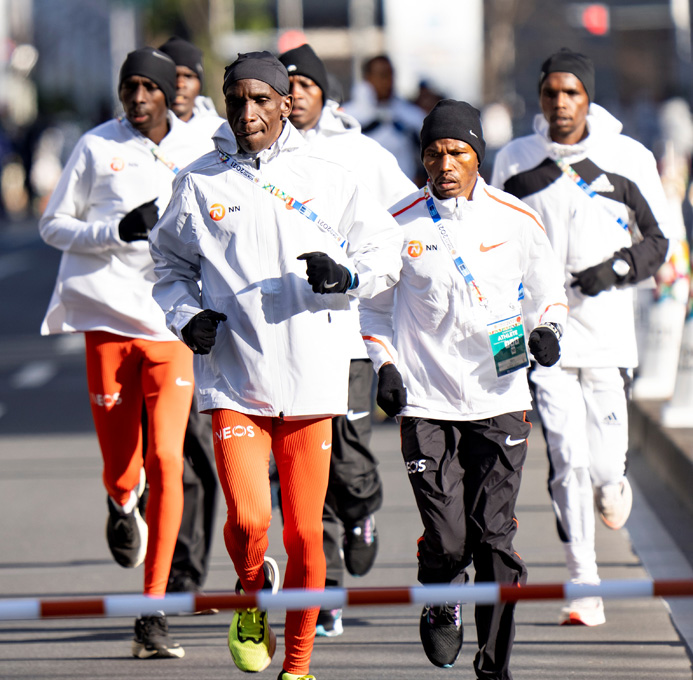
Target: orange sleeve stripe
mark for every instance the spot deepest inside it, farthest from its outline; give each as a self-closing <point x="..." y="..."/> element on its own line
<point x="514" y="207"/>
<point x="370" y="338"/>
<point x="411" y="205"/>
<point x="555" y="304"/>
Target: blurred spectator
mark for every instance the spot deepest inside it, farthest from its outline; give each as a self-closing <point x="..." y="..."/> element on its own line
<point x="427" y="96"/>
<point x="390" y="120"/>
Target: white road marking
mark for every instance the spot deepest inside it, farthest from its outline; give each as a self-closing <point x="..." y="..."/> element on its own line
<point x="34" y="374"/>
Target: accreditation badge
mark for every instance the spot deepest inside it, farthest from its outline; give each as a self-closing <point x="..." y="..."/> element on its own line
<point x="507" y="337"/>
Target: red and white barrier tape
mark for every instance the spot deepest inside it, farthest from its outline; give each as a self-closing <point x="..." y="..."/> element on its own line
<point x="335" y="598"/>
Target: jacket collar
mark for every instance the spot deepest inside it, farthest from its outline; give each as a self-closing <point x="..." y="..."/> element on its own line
<point x="454" y="208"/>
<point x="600" y="123"/>
<point x="289" y="140"/>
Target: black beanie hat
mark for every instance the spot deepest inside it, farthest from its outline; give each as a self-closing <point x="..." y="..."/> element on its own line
<point x="302" y="61"/>
<point x="184" y="53"/>
<point x="153" y="64"/>
<point x="262" y="66"/>
<point x="451" y="119"/>
<point x="567" y="61"/>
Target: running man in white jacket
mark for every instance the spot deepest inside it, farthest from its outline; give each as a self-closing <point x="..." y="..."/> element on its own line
<point x="602" y="201"/>
<point x="448" y="343"/>
<point x="355" y="491"/>
<point x="246" y="226"/>
<point x="111" y="191"/>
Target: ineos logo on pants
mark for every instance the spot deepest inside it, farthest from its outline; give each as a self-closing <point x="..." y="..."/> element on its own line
<point x="235" y="431"/>
<point x="415" y="466"/>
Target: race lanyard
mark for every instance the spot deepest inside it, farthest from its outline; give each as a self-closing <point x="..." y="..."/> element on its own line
<point x="153" y="148"/>
<point x="506" y="334"/>
<point x="290" y="202"/>
<point x="459" y="262"/>
<point x="571" y="173"/>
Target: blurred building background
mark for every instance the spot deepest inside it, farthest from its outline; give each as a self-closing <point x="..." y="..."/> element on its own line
<point x="59" y="60"/>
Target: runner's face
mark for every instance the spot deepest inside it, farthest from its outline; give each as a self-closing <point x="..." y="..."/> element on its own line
<point x="144" y="104"/>
<point x="188" y="87"/>
<point x="255" y="112"/>
<point x="452" y="166"/>
<point x="307" y="102"/>
<point x="564" y="104"/>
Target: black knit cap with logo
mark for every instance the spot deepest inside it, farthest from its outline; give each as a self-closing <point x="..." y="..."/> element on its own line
<point x="153" y="64"/>
<point x="262" y="66"/>
<point x="567" y="61"/>
<point x="302" y="61"/>
<point x="451" y="119"/>
<point x="184" y="53"/>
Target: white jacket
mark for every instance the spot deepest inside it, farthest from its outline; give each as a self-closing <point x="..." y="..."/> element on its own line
<point x="434" y="328"/>
<point x="337" y="137"/>
<point x="104" y="283"/>
<point x="227" y="244"/>
<point x="204" y="122"/>
<point x="584" y="231"/>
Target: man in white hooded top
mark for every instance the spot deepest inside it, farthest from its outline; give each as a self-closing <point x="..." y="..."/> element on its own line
<point x="246" y="226"/>
<point x="602" y="201"/>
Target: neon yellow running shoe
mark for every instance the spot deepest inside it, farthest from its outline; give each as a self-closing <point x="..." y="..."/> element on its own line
<point x="290" y="676"/>
<point x="252" y="642"/>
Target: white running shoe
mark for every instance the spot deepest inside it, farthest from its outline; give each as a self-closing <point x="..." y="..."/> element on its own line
<point x="614" y="502"/>
<point x="585" y="611"/>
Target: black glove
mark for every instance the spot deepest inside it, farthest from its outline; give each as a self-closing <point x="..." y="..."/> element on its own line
<point x="137" y="224"/>
<point x="325" y="275"/>
<point x="392" y="394"/>
<point x="594" y="280"/>
<point x="543" y="344"/>
<point x="200" y="333"/>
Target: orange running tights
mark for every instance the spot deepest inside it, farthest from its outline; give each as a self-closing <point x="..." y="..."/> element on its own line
<point x="122" y="374"/>
<point x="301" y="449"/>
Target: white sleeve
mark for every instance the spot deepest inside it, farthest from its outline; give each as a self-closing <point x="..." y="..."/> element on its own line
<point x="544" y="277"/>
<point x="177" y="260"/>
<point x="376" y="316"/>
<point x="374" y="244"/>
<point x="63" y="224"/>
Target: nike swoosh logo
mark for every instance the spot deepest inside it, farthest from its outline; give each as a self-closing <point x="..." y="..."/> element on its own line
<point x="485" y="249"/>
<point x="514" y="442"/>
<point x="326" y="446"/>
<point x="331" y="285"/>
<point x="356" y="415"/>
<point x="182" y="383"/>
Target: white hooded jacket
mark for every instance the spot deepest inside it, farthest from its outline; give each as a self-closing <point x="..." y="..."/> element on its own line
<point x="584" y="230"/>
<point x="103" y="282"/>
<point x="228" y="244"/>
<point x="432" y="325"/>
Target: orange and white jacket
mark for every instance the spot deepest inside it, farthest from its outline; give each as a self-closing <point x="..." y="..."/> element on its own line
<point x="432" y="324"/>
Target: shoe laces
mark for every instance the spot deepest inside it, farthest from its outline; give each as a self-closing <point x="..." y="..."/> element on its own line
<point x="251" y="625"/>
<point x="153" y="624"/>
<point x="445" y="614"/>
<point x="364" y="530"/>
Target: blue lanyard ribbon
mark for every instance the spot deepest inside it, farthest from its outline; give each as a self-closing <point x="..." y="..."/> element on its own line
<point x="459" y="262"/>
<point x="571" y="173"/>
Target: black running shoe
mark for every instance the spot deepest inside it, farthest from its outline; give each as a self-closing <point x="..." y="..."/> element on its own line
<point x="441" y="632"/>
<point x="152" y="640"/>
<point x="360" y="546"/>
<point x="126" y="533"/>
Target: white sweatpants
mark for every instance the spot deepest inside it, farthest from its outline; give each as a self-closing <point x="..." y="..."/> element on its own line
<point x="584" y="415"/>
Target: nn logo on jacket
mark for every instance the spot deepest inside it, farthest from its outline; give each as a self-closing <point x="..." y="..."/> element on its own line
<point x="218" y="211"/>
